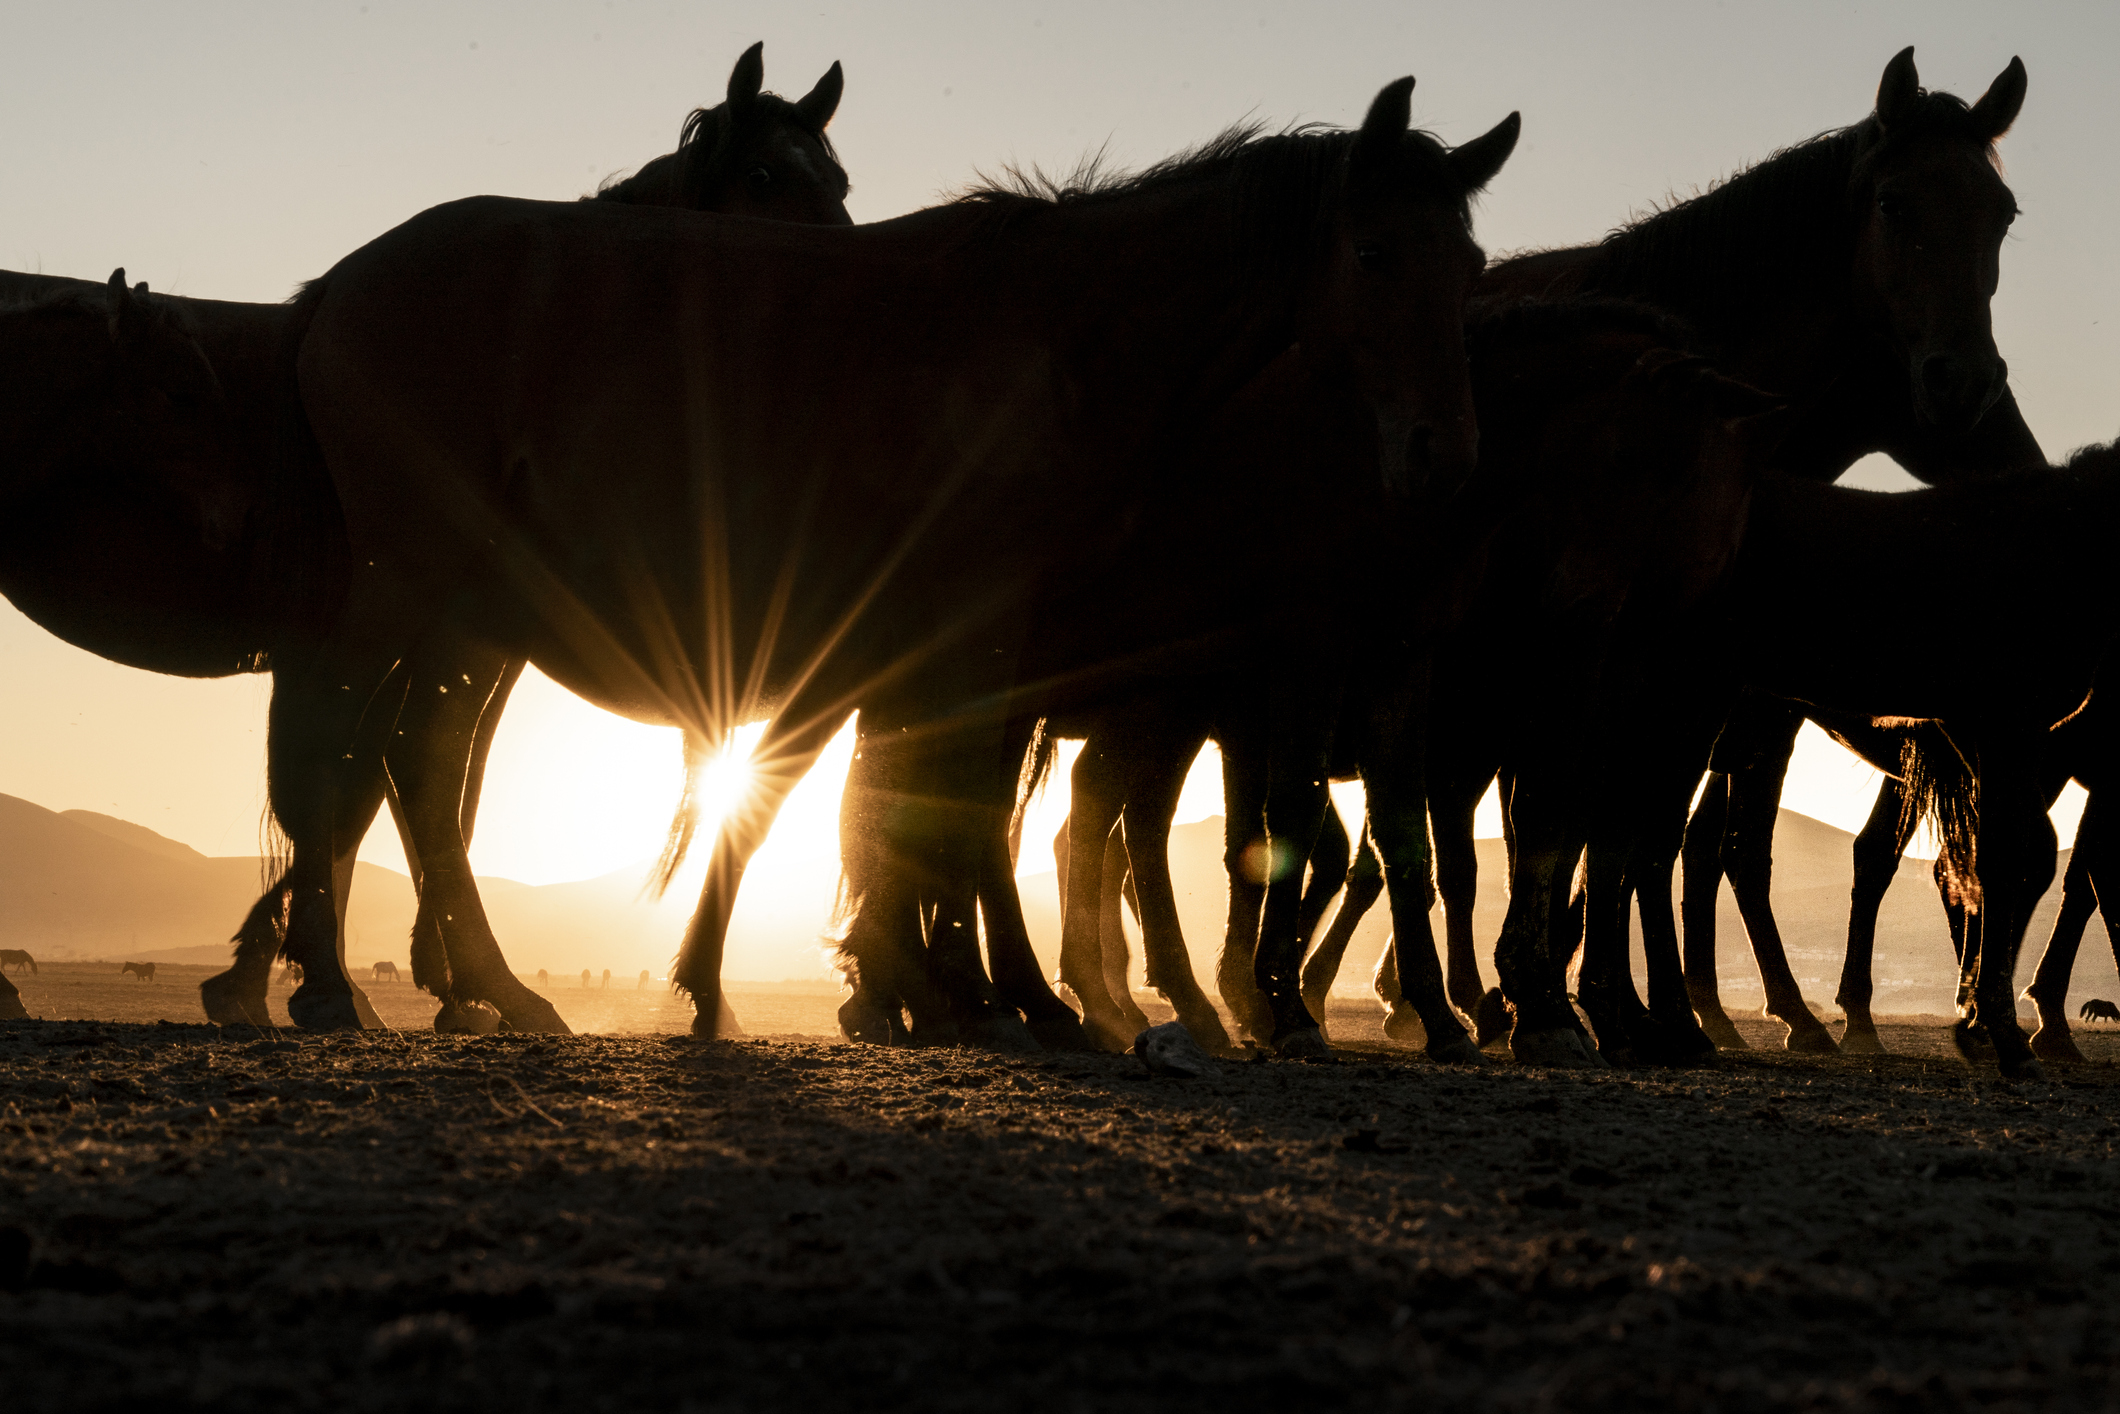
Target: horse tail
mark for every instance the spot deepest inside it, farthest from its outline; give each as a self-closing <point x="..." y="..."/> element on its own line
<point x="685" y="824"/>
<point x="1038" y="759"/>
<point x="1939" y="788"/>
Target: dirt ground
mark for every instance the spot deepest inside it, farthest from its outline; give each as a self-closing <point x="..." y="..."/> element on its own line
<point x="235" y="1220"/>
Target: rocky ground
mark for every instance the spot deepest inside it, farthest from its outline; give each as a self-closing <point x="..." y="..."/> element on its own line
<point x="192" y="1216"/>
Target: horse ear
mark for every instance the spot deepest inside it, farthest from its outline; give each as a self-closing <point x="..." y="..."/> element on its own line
<point x="820" y="103"/>
<point x="748" y="77"/>
<point x="1478" y="160"/>
<point x="1999" y="106"/>
<point x="126" y="310"/>
<point x="1898" y="89"/>
<point x="1388" y="118"/>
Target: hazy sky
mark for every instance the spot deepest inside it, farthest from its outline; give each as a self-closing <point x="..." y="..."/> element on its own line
<point x="231" y="150"/>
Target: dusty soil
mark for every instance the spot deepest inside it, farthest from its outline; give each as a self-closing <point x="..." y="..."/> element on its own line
<point x="193" y="1216"/>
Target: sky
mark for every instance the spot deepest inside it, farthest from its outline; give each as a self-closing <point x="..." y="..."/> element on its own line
<point x="231" y="150"/>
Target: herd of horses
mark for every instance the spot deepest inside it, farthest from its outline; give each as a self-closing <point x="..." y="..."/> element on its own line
<point x="1253" y="446"/>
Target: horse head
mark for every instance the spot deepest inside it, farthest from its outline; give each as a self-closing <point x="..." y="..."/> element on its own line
<point x="757" y="154"/>
<point x="1931" y="210"/>
<point x="1401" y="267"/>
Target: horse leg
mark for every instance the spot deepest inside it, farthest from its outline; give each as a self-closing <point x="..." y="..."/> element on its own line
<point x="459" y="688"/>
<point x="2013" y="854"/>
<point x="1393" y="752"/>
<point x="1094" y="805"/>
<point x="237" y="997"/>
<point x="1327" y="868"/>
<point x="1650" y="881"/>
<point x="1018" y="979"/>
<point x="1748" y="858"/>
<point x="1151" y="800"/>
<point x="1111" y="929"/>
<point x="1457" y="879"/>
<point x="1701" y="859"/>
<point x="1361" y="885"/>
<point x="786" y="751"/>
<point x="2079" y="899"/>
<point x="1877" y="851"/>
<point x="1297" y="801"/>
<point x="1243" y="858"/>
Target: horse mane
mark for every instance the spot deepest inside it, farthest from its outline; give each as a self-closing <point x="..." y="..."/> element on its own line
<point x="704" y="145"/>
<point x="1781" y="220"/>
<point x="1283" y="182"/>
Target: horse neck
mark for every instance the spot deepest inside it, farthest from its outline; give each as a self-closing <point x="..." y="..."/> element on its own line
<point x="1758" y="265"/>
<point x="1167" y="295"/>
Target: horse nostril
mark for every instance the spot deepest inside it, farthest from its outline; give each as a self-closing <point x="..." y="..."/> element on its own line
<point x="1939" y="375"/>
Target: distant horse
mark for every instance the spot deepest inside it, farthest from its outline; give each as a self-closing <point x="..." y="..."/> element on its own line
<point x="642" y="985"/>
<point x="585" y="979"/>
<point x="15" y="957"/>
<point x="386" y="969"/>
<point x="2098" y="1009"/>
<point x="144" y="970"/>
<point x="543" y="981"/>
<point x="607" y="979"/>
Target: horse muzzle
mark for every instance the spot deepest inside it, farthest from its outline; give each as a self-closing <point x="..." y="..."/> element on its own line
<point x="1952" y="392"/>
<point x="1420" y="458"/>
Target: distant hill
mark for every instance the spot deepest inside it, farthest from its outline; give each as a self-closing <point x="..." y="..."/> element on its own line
<point x="78" y="884"/>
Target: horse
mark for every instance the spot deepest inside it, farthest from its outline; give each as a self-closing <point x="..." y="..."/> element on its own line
<point x="145" y="971"/>
<point x="386" y="969"/>
<point x="140" y="579"/>
<point x="1334" y="164"/>
<point x="2098" y="1009"/>
<point x="1849" y="275"/>
<point x="17" y="958"/>
<point x="2020" y="544"/>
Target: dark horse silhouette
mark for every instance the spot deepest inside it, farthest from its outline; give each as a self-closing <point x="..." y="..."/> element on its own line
<point x="254" y="559"/>
<point x="145" y="971"/>
<point x="924" y="824"/>
<point x="1849" y="275"/>
<point x="2098" y="1009"/>
<point x="103" y="389"/>
<point x="16" y="957"/>
<point x="860" y="492"/>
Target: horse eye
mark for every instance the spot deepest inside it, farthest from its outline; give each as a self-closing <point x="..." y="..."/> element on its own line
<point x="1369" y="255"/>
<point x="1890" y="206"/>
<point x="759" y="176"/>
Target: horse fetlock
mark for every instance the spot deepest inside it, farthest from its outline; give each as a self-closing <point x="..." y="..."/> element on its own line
<point x="1807" y="1034"/>
<point x="1403" y="1024"/>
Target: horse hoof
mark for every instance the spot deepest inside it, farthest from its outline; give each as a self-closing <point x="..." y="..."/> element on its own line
<point x="467" y="1018"/>
<point x="1459" y="1050"/>
<point x="865" y="1024"/>
<point x="934" y="1033"/>
<point x="1004" y="1032"/>
<point x="2048" y="1043"/>
<point x="1403" y="1024"/>
<point x="1809" y="1038"/>
<point x="533" y="1014"/>
<point x="317" y="1010"/>
<point x="229" y="1003"/>
<point x="2023" y="1068"/>
<point x="1308" y="1044"/>
<point x="1561" y="1049"/>
<point x="1061" y="1033"/>
<point x="1490" y="1018"/>
<point x="1973" y="1047"/>
<point x="1718" y="1027"/>
<point x="1864" y="1043"/>
<point x="1205" y="1028"/>
<point x="369" y="1020"/>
